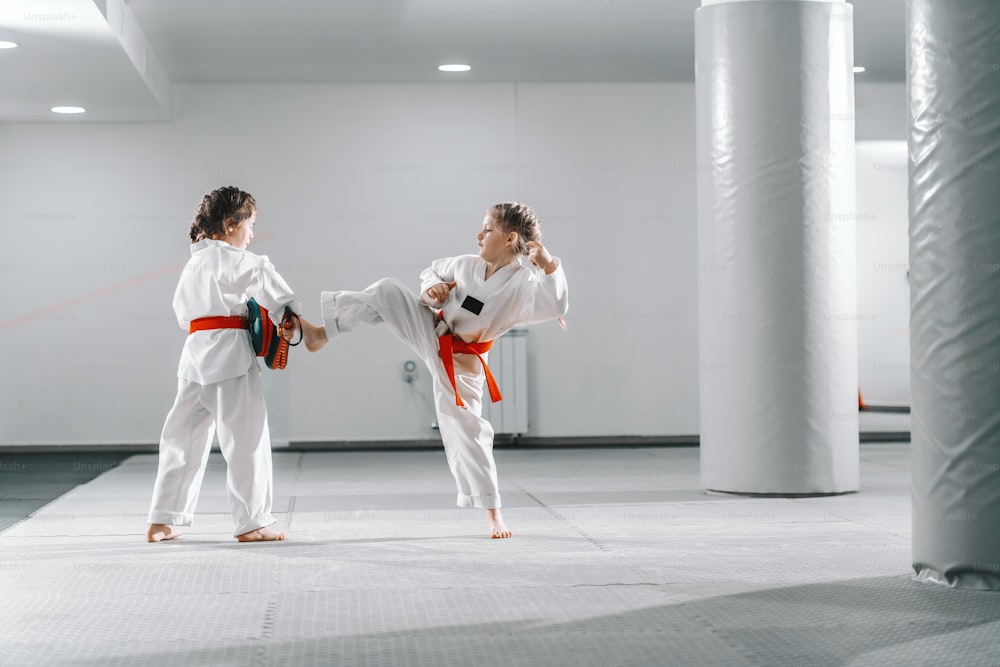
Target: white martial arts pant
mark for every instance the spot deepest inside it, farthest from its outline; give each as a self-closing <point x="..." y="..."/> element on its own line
<point x="467" y="437"/>
<point x="236" y="409"/>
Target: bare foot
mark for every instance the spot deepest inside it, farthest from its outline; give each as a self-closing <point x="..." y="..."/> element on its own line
<point x="158" y="532"/>
<point x="264" y="534"/>
<point x="498" y="529"/>
<point x="314" y="336"/>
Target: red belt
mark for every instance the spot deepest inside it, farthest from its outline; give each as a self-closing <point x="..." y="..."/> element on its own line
<point x="217" y="322"/>
<point x="451" y="345"/>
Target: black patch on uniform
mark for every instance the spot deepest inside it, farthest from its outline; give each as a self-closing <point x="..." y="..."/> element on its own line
<point x="473" y="305"/>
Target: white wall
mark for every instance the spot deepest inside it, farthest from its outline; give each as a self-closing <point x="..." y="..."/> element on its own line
<point x="356" y="182"/>
<point x="883" y="269"/>
<point x="880" y="112"/>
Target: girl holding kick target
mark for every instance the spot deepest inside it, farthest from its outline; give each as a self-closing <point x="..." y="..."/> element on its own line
<point x="219" y="386"/>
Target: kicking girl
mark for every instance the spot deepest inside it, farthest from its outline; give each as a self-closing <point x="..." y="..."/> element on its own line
<point x="465" y="303"/>
<point x="219" y="385"/>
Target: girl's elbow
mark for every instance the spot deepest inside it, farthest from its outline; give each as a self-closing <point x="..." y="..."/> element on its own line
<point x="563" y="305"/>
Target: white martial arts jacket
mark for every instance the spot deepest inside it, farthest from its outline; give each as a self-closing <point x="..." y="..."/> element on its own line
<point x="218" y="280"/>
<point x="517" y="294"/>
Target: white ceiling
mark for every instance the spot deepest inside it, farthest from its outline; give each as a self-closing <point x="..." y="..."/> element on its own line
<point x="119" y="57"/>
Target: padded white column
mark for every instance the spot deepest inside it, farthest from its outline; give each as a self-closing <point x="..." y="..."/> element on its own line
<point x="776" y="247"/>
<point x="953" y="76"/>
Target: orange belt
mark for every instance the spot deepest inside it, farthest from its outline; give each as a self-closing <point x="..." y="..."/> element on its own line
<point x="450" y="346"/>
<point x="217" y="322"/>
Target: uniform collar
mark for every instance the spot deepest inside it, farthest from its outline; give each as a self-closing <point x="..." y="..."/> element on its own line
<point x="206" y="243"/>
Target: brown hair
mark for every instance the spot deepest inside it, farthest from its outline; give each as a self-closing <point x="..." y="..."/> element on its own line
<point x="218" y="206"/>
<point x="515" y="217"/>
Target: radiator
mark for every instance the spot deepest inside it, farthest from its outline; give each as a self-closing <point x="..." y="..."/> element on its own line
<point x="508" y="361"/>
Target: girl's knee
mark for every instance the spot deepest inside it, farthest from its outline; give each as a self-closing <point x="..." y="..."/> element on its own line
<point x="391" y="286"/>
<point x="395" y="293"/>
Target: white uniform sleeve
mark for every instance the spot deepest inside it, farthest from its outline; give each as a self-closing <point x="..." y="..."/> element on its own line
<point x="270" y="290"/>
<point x="549" y="299"/>
<point x="440" y="271"/>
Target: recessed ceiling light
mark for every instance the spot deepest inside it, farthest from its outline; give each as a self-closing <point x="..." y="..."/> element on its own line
<point x="858" y="69"/>
<point x="8" y="45"/>
<point x="68" y="109"/>
<point x="455" y="68"/>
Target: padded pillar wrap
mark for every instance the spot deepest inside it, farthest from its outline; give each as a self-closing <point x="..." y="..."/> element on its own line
<point x="776" y="247"/>
<point x="953" y="55"/>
